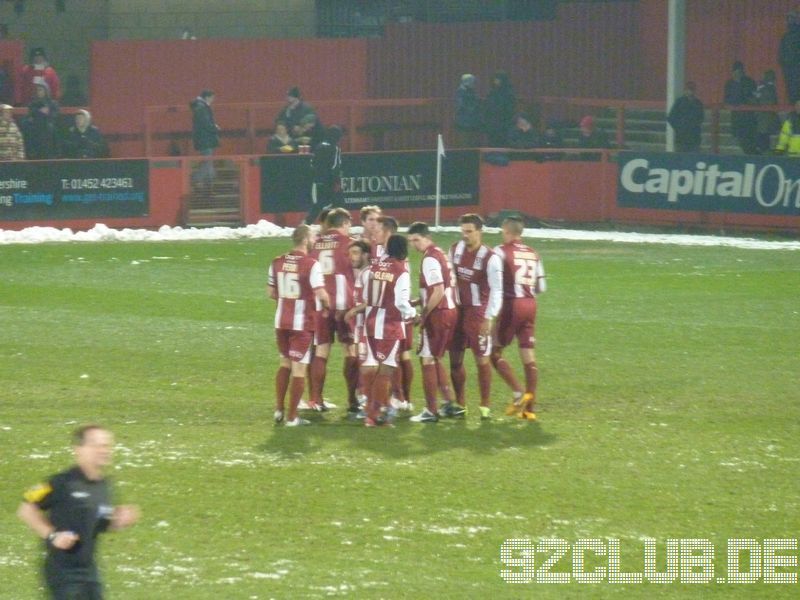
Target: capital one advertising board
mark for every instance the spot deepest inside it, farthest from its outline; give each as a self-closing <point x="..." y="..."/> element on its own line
<point x="705" y="182"/>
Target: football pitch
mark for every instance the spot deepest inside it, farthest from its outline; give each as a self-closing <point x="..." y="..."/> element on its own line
<point x="669" y="388"/>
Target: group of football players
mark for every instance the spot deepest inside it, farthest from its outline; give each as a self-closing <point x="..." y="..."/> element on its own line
<point x="358" y="290"/>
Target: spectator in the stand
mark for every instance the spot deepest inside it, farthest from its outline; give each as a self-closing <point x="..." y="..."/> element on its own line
<point x="310" y="131"/>
<point x="591" y="136"/>
<point x="789" y="138"/>
<point x="37" y="71"/>
<point x="326" y="168"/>
<point x="499" y="110"/>
<point x="686" y="118"/>
<point x="294" y="112"/>
<point x="11" y="145"/>
<point x="205" y="135"/>
<point x="767" y="123"/>
<point x="551" y="138"/>
<point x="281" y="142"/>
<point x="73" y="92"/>
<point x="468" y="114"/>
<point x="740" y="91"/>
<point x="523" y="135"/>
<point x="789" y="57"/>
<point x="84" y="140"/>
<point x="39" y="127"/>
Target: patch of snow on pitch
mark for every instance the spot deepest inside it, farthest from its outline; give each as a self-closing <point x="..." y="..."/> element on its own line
<point x="262" y="229"/>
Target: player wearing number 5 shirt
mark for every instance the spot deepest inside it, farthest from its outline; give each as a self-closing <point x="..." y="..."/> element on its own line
<point x="523" y="280"/>
<point x="295" y="280"/>
<point x="386" y="294"/>
<point x="437" y="320"/>
<point x="479" y="283"/>
<point x="331" y="250"/>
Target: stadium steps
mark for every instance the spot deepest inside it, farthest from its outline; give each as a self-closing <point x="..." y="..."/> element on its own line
<point x="645" y="130"/>
<point x="218" y="203"/>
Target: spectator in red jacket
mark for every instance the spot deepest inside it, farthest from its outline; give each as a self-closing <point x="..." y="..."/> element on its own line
<point x="38" y="71"/>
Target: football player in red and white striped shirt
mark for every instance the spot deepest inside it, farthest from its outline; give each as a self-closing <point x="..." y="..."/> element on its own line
<point x="404" y="375"/>
<point x="437" y="321"/>
<point x="331" y="251"/>
<point x="523" y="280"/>
<point x="370" y="216"/>
<point x="387" y="298"/>
<point x="479" y="283"/>
<point x="360" y="260"/>
<point x="295" y="280"/>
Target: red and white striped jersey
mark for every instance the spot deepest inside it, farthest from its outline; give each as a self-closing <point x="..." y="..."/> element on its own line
<point x="331" y="251"/>
<point x="479" y="277"/>
<point x="295" y="277"/>
<point x="436" y="269"/>
<point x="523" y="271"/>
<point x="387" y="293"/>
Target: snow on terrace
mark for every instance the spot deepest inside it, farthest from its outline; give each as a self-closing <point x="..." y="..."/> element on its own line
<point x="264" y="229"/>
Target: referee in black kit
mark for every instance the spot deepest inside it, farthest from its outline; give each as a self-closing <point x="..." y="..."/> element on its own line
<point x="70" y="510"/>
<point x="326" y="169"/>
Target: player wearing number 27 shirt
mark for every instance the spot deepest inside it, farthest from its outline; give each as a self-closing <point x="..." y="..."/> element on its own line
<point x="523" y="280"/>
<point x="295" y="280"/>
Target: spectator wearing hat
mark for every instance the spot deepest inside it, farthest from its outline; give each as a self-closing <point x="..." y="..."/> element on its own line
<point x="39" y="127"/>
<point x="686" y="119"/>
<point x="12" y="146"/>
<point x="740" y="91"/>
<point x="294" y="112"/>
<point x="468" y="115"/>
<point x="789" y="57"/>
<point x="38" y="70"/>
<point x="84" y="140"/>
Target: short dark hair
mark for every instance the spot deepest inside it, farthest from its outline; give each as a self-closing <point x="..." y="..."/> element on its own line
<point x="361" y="244"/>
<point x="337" y="217"/>
<point x="300" y="234"/>
<point x="419" y="228"/>
<point x="397" y="247"/>
<point x="79" y="435"/>
<point x="473" y="218"/>
<point x="389" y="223"/>
<point x="207" y="93"/>
<point x="323" y="215"/>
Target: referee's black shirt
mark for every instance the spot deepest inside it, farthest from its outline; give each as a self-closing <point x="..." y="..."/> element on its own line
<point x="76" y="504"/>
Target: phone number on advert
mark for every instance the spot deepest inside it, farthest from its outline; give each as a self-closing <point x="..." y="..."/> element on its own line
<point x="96" y="183"/>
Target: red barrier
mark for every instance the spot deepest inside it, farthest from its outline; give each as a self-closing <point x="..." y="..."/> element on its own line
<point x="572" y="191"/>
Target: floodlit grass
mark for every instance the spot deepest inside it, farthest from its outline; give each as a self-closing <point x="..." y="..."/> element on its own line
<point x="669" y="394"/>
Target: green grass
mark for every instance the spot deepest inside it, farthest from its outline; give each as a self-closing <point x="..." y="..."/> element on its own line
<point x="669" y="387"/>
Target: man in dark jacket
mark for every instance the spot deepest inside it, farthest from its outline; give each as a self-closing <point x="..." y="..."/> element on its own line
<point x="326" y="167"/>
<point x="789" y="57"/>
<point x="205" y="135"/>
<point x="499" y="110"/>
<point x="468" y="119"/>
<point x="84" y="140"/>
<point x="295" y="113"/>
<point x="739" y="91"/>
<point x="686" y="118"/>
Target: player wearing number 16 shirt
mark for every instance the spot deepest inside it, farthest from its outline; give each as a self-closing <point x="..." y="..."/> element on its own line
<point x="523" y="280"/>
<point x="331" y="250"/>
<point x="295" y="280"/>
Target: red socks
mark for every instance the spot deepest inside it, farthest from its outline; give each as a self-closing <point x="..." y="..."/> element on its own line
<point x="281" y="385"/>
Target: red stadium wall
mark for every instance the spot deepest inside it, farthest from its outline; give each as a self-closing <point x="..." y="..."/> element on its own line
<point x="129" y="75"/>
<point x="12" y="57"/>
